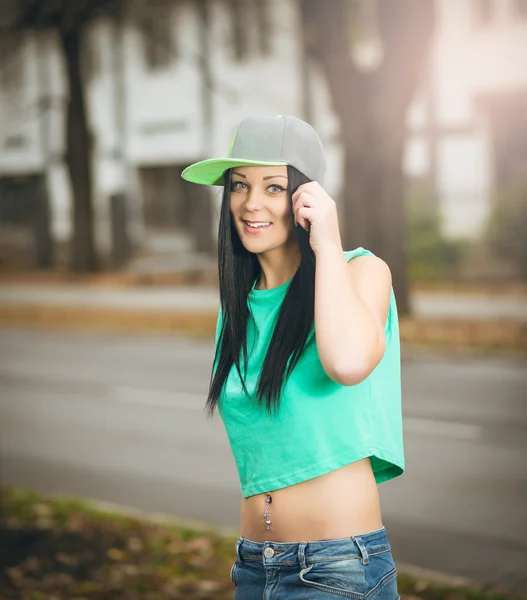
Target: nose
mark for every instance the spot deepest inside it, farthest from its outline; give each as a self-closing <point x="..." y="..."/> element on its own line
<point x="253" y="201"/>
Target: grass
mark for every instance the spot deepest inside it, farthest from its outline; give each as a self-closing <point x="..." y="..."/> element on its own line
<point x="65" y="549"/>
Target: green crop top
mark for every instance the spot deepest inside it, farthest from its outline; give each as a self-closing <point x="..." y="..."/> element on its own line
<point x="321" y="425"/>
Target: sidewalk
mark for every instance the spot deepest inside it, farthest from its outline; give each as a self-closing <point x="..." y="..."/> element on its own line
<point x="426" y="305"/>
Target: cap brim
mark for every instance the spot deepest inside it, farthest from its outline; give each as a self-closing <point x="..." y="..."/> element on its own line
<point x="210" y="171"/>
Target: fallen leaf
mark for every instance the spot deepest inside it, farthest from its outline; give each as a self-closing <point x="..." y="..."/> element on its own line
<point x="66" y="559"/>
<point x="208" y="586"/>
<point x="115" y="554"/>
<point x="200" y="544"/>
<point x="42" y="510"/>
<point x="135" y="545"/>
<point x="15" y="573"/>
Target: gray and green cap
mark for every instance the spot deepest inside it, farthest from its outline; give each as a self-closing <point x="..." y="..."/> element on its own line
<point x="266" y="141"/>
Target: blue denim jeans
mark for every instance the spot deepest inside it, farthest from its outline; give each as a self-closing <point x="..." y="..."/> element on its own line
<point x="359" y="567"/>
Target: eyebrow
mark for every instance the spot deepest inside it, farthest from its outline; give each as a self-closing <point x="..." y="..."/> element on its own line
<point x="265" y="178"/>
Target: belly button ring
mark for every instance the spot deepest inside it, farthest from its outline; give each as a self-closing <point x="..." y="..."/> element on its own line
<point x="268" y="500"/>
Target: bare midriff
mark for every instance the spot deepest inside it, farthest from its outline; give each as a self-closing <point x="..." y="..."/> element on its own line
<point x="339" y="504"/>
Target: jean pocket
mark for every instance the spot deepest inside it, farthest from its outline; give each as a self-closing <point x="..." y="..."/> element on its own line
<point x="343" y="578"/>
<point x="381" y="577"/>
<point x="377" y="579"/>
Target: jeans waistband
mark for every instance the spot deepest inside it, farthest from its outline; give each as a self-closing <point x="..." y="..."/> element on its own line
<point x="301" y="553"/>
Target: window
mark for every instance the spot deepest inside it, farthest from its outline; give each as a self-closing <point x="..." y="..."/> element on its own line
<point x="13" y="65"/>
<point x="251" y="27"/>
<point x="263" y="22"/>
<point x="155" y="24"/>
<point x="483" y="12"/>
<point x="165" y="205"/>
<point x="239" y="30"/>
<point x="18" y="198"/>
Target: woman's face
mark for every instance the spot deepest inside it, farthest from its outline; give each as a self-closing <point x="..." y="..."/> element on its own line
<point x="261" y="207"/>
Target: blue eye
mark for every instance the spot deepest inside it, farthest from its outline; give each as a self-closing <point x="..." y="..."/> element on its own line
<point x="277" y="188"/>
<point x="237" y="185"/>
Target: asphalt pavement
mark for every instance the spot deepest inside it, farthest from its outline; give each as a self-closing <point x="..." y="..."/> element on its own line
<point x="120" y="419"/>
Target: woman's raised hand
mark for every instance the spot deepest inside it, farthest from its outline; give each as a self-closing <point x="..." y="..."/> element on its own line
<point x="316" y="212"/>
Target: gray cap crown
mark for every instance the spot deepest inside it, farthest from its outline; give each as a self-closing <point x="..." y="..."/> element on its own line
<point x="280" y="139"/>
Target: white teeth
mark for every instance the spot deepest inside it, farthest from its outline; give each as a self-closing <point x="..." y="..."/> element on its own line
<point x="257" y="224"/>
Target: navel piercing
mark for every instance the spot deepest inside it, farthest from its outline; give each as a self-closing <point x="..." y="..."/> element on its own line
<point x="268" y="500"/>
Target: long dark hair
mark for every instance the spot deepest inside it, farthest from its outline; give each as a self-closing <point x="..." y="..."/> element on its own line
<point x="238" y="270"/>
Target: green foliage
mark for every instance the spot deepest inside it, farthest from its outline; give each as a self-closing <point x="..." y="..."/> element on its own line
<point x="507" y="226"/>
<point x="431" y="256"/>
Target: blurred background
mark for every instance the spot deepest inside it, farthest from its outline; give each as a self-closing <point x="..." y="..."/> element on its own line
<point x="108" y="283"/>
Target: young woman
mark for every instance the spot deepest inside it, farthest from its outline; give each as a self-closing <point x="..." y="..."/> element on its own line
<point x="306" y="375"/>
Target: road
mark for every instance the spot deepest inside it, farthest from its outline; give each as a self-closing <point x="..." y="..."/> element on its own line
<point x="120" y="419"/>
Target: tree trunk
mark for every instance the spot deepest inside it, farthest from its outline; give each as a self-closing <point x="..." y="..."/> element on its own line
<point x="391" y="242"/>
<point x="372" y="112"/>
<point x="373" y="207"/>
<point x="78" y="158"/>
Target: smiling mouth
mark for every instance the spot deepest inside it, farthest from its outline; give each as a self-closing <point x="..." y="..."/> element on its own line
<point x="257" y="224"/>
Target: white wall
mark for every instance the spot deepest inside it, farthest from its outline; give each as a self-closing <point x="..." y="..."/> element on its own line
<point x="469" y="61"/>
<point x="164" y="111"/>
<point x="20" y="141"/>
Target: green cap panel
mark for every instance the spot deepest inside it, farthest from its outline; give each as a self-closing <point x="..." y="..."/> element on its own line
<point x="210" y="171"/>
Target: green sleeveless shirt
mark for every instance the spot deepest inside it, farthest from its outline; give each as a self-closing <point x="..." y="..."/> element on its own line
<point x="321" y="425"/>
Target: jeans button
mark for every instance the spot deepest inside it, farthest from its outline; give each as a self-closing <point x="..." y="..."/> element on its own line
<point x="268" y="553"/>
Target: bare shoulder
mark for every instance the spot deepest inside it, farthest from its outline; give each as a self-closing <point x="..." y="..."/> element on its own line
<point x="370" y="268"/>
<point x="372" y="279"/>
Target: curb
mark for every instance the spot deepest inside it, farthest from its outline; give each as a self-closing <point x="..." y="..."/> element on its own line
<point x="490" y="334"/>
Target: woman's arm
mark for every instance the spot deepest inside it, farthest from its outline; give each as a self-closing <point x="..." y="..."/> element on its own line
<point x="351" y="306"/>
<point x="351" y="299"/>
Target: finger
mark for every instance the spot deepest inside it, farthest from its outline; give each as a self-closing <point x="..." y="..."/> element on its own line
<point x="311" y="187"/>
<point x="305" y="199"/>
<point x="304" y="189"/>
<point x="301" y="189"/>
<point x="296" y="218"/>
<point x="304" y="216"/>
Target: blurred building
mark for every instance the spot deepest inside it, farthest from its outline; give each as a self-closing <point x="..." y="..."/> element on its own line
<point x="468" y="124"/>
<point x="166" y="87"/>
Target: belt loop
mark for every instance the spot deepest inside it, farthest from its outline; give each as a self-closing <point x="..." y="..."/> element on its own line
<point x="238" y="545"/>
<point x="302" y="555"/>
<point x="365" y="559"/>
